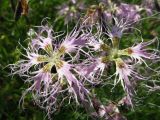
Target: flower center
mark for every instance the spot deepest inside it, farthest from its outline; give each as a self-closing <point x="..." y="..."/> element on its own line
<point x="114" y="53"/>
<point x="130" y="51"/>
<point x="121" y="65"/>
<point x="47" y="67"/>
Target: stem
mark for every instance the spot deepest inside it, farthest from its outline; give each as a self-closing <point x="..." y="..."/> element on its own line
<point x="115" y="42"/>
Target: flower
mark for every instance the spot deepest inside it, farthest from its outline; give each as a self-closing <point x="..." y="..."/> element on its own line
<point x="123" y="72"/>
<point x="128" y="13"/>
<point x="71" y="10"/>
<point x="149" y="6"/>
<point x="116" y="30"/>
<point x="58" y="68"/>
<point x="73" y="41"/>
<point x="80" y="92"/>
<point x="92" y="71"/>
<point x="32" y="59"/>
<point x="43" y="77"/>
<point x="107" y="112"/>
<point x="46" y="84"/>
<point x="139" y="51"/>
<point x="43" y="39"/>
<point x="95" y="42"/>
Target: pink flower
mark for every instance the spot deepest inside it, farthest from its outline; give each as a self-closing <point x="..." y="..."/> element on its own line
<point x="106" y="112"/>
<point x="128" y="12"/>
<point x="117" y="29"/>
<point x="123" y="72"/>
<point x="139" y="52"/>
<point x="70" y="10"/>
<point x="73" y="41"/>
<point x="92" y="71"/>
<point x="47" y="85"/>
<point x="81" y="94"/>
<point x="43" y="80"/>
<point x="44" y="89"/>
<point x="43" y="39"/>
<point x="24" y="65"/>
<point x="95" y="42"/>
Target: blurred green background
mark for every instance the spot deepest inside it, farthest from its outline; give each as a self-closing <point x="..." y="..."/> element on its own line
<point x="12" y="32"/>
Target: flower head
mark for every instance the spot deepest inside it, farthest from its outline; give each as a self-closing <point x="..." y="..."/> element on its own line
<point x="92" y="71"/>
<point x="71" y="10"/>
<point x="149" y="6"/>
<point x="76" y="87"/>
<point x="139" y="52"/>
<point x="51" y="74"/>
<point x="123" y="72"/>
<point x="128" y="12"/>
<point x="74" y="41"/>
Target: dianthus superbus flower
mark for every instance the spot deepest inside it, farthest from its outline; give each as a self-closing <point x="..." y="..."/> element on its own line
<point x="140" y="52"/>
<point x="74" y="41"/>
<point x="123" y="72"/>
<point x="109" y="54"/>
<point x="58" y="67"/>
<point x="47" y="70"/>
<point x="70" y="10"/>
<point x="128" y="12"/>
<point x="92" y="71"/>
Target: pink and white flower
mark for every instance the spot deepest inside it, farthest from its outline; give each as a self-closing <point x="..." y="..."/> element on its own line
<point x="80" y="92"/>
<point x="24" y="65"/>
<point x="46" y="84"/>
<point x="139" y="52"/>
<point x="128" y="12"/>
<point x="123" y="73"/>
<point x="93" y="71"/>
<point x="73" y="41"/>
<point x="44" y="39"/>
